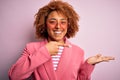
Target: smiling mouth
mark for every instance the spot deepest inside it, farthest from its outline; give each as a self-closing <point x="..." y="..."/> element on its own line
<point x="57" y="32"/>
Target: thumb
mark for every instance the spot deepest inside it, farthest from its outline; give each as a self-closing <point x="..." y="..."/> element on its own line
<point x="98" y="55"/>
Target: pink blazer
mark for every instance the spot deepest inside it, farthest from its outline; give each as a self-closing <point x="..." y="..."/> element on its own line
<point x="36" y="63"/>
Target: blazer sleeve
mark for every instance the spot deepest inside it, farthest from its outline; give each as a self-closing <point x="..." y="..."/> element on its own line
<point x="85" y="70"/>
<point x="28" y="62"/>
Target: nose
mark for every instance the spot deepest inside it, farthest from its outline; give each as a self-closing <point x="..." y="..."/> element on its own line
<point x="57" y="26"/>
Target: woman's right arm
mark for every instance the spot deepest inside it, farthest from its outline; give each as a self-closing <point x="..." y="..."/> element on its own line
<point x="28" y="62"/>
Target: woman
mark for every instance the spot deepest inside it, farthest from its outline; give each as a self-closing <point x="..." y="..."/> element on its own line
<point x="55" y="58"/>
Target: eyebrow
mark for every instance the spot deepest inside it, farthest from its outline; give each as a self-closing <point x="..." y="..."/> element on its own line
<point x="56" y="19"/>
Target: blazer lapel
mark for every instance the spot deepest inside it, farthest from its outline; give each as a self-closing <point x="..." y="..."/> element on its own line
<point x="48" y="66"/>
<point x="49" y="70"/>
<point x="62" y="66"/>
<point x="64" y="61"/>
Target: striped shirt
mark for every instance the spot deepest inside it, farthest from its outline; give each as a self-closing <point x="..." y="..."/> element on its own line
<point x="56" y="58"/>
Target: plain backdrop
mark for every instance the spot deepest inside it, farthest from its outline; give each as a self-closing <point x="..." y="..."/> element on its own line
<point x="99" y="32"/>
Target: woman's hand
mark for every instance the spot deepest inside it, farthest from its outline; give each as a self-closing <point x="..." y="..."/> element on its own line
<point x="53" y="47"/>
<point x="99" y="58"/>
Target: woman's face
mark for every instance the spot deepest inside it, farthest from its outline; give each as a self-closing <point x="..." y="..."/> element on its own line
<point x="57" y="25"/>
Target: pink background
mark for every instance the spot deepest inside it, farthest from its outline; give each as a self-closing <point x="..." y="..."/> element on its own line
<point x="99" y="32"/>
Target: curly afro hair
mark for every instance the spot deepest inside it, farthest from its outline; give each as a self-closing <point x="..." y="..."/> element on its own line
<point x="62" y="8"/>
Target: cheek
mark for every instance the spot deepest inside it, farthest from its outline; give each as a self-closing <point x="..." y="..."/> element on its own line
<point x="50" y="26"/>
<point x="64" y="27"/>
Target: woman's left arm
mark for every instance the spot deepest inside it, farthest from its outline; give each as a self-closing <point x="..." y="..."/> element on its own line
<point x="87" y="67"/>
<point x="98" y="59"/>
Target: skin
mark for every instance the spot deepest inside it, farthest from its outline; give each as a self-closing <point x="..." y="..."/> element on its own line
<point x="57" y="26"/>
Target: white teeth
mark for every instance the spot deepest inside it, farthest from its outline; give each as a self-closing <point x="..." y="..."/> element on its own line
<point x="58" y="32"/>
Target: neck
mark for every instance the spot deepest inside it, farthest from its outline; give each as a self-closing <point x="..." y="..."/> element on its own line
<point x="60" y="41"/>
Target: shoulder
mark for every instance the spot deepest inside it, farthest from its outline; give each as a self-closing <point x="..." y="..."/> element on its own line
<point x="35" y="45"/>
<point x="77" y="48"/>
<point x="77" y="53"/>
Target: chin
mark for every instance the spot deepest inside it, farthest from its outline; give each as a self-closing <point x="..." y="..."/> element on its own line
<point x="58" y="39"/>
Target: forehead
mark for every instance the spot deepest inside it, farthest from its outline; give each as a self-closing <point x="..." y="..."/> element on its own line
<point x="56" y="15"/>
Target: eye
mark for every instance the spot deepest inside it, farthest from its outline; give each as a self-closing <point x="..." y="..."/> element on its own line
<point x="63" y="22"/>
<point x="52" y="22"/>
